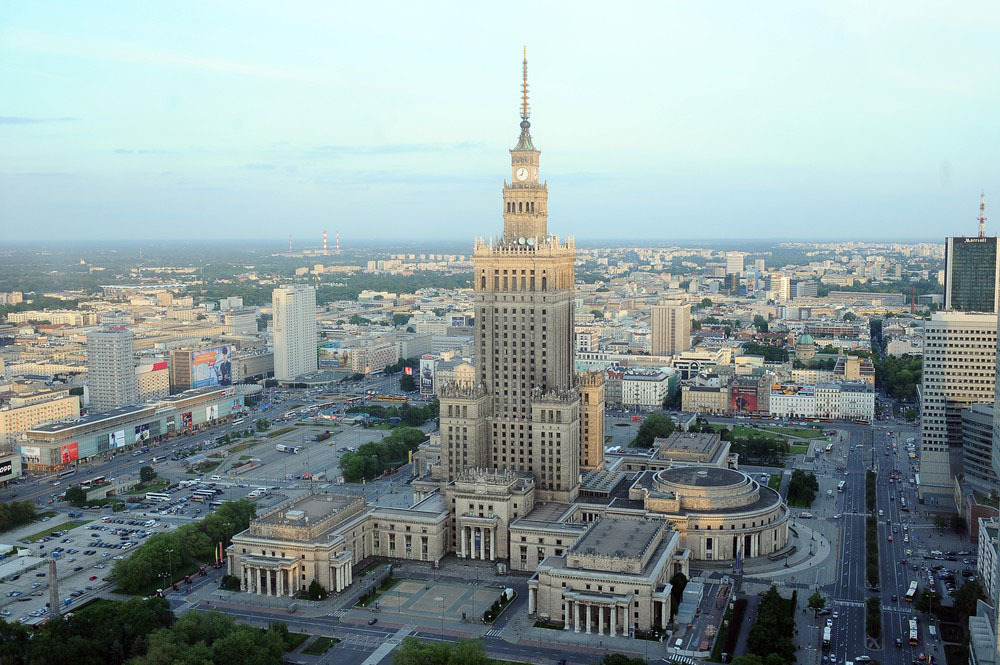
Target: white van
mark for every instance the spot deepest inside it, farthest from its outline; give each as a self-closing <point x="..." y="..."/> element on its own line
<point x="880" y="512"/>
<point x="216" y="477"/>
<point x="149" y="523"/>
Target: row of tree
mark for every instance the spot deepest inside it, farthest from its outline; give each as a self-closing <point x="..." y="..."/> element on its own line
<point x="771" y="353"/>
<point x="470" y="652"/>
<point x="899" y="376"/>
<point x="142" y="632"/>
<point x="375" y="457"/>
<point x="410" y="415"/>
<point x="871" y="531"/>
<point x="772" y="634"/>
<point x="179" y="549"/>
<point x="15" y="513"/>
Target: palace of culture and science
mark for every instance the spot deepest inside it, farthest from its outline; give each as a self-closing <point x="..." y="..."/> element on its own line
<point x="517" y="474"/>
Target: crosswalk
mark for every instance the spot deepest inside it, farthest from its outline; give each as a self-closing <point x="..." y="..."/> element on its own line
<point x="340" y="613"/>
<point x="681" y="660"/>
<point x="494" y="632"/>
<point x="850" y="603"/>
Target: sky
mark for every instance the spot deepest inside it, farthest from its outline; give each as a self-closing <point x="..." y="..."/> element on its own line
<point x="393" y="120"/>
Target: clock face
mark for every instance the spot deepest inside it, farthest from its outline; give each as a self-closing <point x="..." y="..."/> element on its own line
<point x="522" y="173"/>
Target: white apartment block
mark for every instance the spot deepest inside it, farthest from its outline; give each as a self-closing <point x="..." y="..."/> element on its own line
<point x="986" y="563"/>
<point x="645" y="391"/>
<point x="240" y="321"/>
<point x="959" y="369"/>
<point x="111" y="368"/>
<point x="24" y="412"/>
<point x="836" y="401"/>
<point x="295" y="331"/>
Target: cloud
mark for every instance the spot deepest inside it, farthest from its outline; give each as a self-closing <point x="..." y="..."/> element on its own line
<point x="395" y="148"/>
<point x="26" y="120"/>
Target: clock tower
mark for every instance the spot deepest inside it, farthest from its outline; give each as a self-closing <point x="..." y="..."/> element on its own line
<point x="525" y="199"/>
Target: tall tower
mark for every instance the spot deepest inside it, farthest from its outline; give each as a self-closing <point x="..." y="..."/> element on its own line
<point x="295" y="333"/>
<point x="527" y="394"/>
<point x="972" y="270"/>
<point x="111" y="366"/>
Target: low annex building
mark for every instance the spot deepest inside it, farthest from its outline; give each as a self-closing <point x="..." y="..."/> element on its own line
<point x="613" y="581"/>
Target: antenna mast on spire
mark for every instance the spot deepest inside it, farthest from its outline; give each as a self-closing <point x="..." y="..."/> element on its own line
<point x="524" y="87"/>
<point x="982" y="215"/>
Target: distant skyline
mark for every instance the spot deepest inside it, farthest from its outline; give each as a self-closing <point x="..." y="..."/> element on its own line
<point x="225" y="120"/>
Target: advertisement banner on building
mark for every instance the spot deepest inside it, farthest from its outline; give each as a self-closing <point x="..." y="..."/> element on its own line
<point x="186" y="420"/>
<point x="212" y="367"/>
<point x="427" y="366"/>
<point x="458" y="321"/>
<point x="31" y="454"/>
<point x="212" y="412"/>
<point x="117" y="439"/>
<point x="70" y="452"/>
<point x="744" y="398"/>
<point x="6" y="468"/>
<point x="141" y="433"/>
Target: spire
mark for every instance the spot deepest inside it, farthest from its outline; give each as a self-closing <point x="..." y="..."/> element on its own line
<point x="524" y="141"/>
<point x="982" y="215"/>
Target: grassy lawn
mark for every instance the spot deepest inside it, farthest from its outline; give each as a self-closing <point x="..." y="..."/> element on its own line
<point x="279" y="432"/>
<point x="35" y="537"/>
<point x="320" y="645"/>
<point x="797" y="450"/>
<point x="178" y="576"/>
<point x="155" y="486"/>
<point x="48" y="513"/>
<point x="800" y="432"/>
<point x="774" y="482"/>
<point x="296" y="640"/>
<point x="243" y="446"/>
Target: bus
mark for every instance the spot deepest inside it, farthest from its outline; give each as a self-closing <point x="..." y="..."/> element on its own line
<point x="202" y="496"/>
<point x="157" y="496"/>
<point x="829" y="448"/>
<point x="826" y="637"/>
<point x="914" y="635"/>
<point x="841" y="485"/>
<point x="911" y="592"/>
<point x="390" y="398"/>
<point x="67" y="473"/>
<point x="93" y="482"/>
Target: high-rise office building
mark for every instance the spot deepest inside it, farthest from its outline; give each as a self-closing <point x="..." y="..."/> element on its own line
<point x="295" y="337"/>
<point x="111" y="367"/>
<point x="959" y="369"/>
<point x="734" y="263"/>
<point x="972" y="270"/>
<point x="523" y="414"/>
<point x="670" y="325"/>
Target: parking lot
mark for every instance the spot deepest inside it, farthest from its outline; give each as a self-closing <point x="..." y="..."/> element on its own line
<point x="84" y="555"/>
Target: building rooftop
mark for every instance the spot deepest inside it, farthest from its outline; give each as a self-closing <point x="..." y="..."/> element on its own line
<point x="701" y="476"/>
<point x="309" y="508"/>
<point x="621" y="538"/>
<point x="687" y="444"/>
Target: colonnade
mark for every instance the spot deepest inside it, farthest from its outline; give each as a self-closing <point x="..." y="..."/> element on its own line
<point x="588" y="617"/>
<point x="269" y="581"/>
<point x="468" y="542"/>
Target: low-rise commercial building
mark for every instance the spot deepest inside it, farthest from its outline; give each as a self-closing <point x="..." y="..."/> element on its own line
<point x="19" y="413"/>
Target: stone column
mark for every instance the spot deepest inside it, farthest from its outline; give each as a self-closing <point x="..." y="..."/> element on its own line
<point x="260" y="586"/>
<point x="482" y="543"/>
<point x="465" y="549"/>
<point x="531" y="604"/>
<point x="565" y="611"/>
<point x="493" y="546"/>
<point x="576" y="606"/>
<point x="664" y="613"/>
<point x="350" y="573"/>
<point x="340" y="577"/>
<point x="614" y="621"/>
<point x="586" y="617"/>
<point x="281" y="582"/>
<point x="600" y="619"/>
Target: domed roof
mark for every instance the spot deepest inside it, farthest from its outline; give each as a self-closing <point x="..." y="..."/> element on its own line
<point x="805" y="338"/>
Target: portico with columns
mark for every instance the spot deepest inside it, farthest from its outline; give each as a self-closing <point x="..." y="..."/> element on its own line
<point x="269" y="576"/>
<point x="477" y="537"/>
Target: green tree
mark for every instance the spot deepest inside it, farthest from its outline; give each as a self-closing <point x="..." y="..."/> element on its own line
<point x="817" y="601"/>
<point x="850" y="316"/>
<point x="147" y="474"/>
<point x="760" y="323"/>
<point x="928" y="602"/>
<point x="748" y="659"/>
<point x="262" y="424"/>
<point x="622" y="659"/>
<point x="910" y="414"/>
<point x="317" y="591"/>
<point x="77" y="496"/>
<point x="677" y="584"/>
<point x="655" y="426"/>
<point x="966" y="597"/>
<point x="407" y="383"/>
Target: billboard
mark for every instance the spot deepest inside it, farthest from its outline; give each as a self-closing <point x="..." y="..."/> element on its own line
<point x="744" y="398"/>
<point x="141" y="433"/>
<point x="458" y="322"/>
<point x="31" y="454"/>
<point x="69" y="453"/>
<point x="212" y="367"/>
<point x="427" y="366"/>
<point x="6" y="467"/>
<point x="186" y="420"/>
<point x="212" y="412"/>
<point x="117" y="439"/>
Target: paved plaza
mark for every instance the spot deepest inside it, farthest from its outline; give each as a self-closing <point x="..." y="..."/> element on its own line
<point x="435" y="600"/>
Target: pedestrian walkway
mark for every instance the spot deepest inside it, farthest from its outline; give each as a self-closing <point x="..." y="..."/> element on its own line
<point x="383" y="649"/>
